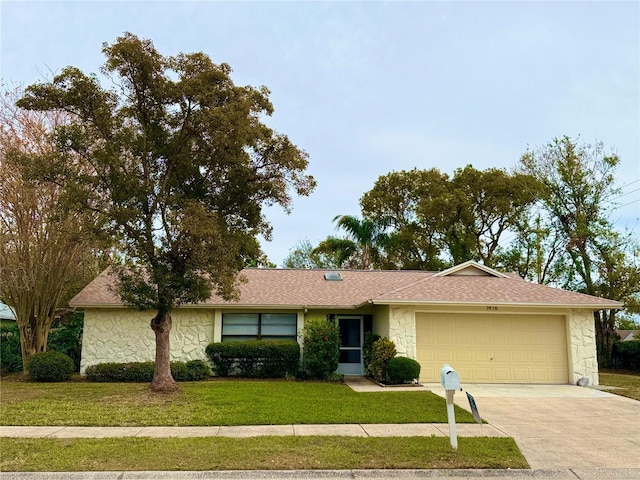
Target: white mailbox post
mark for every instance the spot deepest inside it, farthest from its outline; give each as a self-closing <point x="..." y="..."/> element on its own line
<point x="450" y="380"/>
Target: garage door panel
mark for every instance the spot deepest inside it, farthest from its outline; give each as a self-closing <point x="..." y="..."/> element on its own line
<point x="493" y="348"/>
<point x="502" y="375"/>
<point x="501" y="357"/>
<point x="465" y="356"/>
<point x="538" y="357"/>
<point x="555" y="358"/>
<point x="520" y="375"/>
<point x="537" y="338"/>
<point x="517" y="338"/>
<point x="480" y="357"/>
<point x="483" y="374"/>
<point x="540" y="375"/>
<point x="519" y="357"/>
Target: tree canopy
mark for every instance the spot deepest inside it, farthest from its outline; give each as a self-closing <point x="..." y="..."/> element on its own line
<point x="579" y="189"/>
<point x="436" y="220"/>
<point x="180" y="165"/>
<point x="46" y="250"/>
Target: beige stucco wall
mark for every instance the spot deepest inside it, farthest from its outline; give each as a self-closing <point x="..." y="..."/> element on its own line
<point x="581" y="338"/>
<point x="123" y="335"/>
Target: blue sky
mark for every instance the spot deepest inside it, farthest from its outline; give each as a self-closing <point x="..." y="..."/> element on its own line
<point x="371" y="87"/>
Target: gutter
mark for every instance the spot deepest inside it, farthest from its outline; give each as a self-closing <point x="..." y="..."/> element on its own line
<point x="613" y="305"/>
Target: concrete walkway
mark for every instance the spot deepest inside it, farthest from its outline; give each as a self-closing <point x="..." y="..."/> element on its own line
<point x="348" y="430"/>
<point x="546" y="474"/>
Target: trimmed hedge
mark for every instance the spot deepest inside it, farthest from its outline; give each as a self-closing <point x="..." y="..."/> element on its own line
<point x="193" y="370"/>
<point x="255" y="358"/>
<point x="626" y="355"/>
<point x="50" y="367"/>
<point x="402" y="370"/>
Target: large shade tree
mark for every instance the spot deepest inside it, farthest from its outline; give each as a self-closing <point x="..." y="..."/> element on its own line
<point x="46" y="250"/>
<point x="180" y="165"/>
<point x="415" y="206"/>
<point x="579" y="193"/>
<point x="436" y="220"/>
<point x="304" y="255"/>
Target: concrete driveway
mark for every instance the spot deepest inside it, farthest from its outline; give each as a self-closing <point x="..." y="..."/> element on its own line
<point x="561" y="426"/>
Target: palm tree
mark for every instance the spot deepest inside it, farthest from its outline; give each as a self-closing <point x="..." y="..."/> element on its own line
<point x="362" y="248"/>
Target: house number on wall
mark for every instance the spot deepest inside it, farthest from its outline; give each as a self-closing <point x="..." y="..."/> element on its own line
<point x="492" y="308"/>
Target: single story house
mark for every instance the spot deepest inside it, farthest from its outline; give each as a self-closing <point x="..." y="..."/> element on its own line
<point x="628" y="335"/>
<point x="490" y="326"/>
<point x="7" y="316"/>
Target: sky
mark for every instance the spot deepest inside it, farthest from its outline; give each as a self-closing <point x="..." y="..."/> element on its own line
<point x="367" y="88"/>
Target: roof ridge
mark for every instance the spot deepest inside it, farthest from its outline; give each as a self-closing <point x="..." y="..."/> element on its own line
<point x="399" y="289"/>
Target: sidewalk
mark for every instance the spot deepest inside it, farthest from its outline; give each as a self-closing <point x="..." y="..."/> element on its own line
<point x="545" y="474"/>
<point x="348" y="430"/>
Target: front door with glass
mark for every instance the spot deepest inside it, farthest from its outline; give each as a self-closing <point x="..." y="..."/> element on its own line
<point x="351" y="334"/>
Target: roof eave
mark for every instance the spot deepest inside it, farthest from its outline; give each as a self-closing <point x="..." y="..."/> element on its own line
<point x="612" y="306"/>
<point x="231" y="305"/>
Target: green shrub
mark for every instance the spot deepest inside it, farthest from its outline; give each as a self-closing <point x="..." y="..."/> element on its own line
<point x="382" y="351"/>
<point x="255" y="358"/>
<point x="402" y="370"/>
<point x="66" y="337"/>
<point x="143" y="371"/>
<point x="120" y="372"/>
<point x="321" y="348"/>
<point x="178" y="371"/>
<point x="197" y="370"/>
<point x="369" y="339"/>
<point x="626" y="355"/>
<point x="10" y="352"/>
<point x="50" y="367"/>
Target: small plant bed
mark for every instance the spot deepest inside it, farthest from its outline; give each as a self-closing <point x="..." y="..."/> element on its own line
<point x="258" y="453"/>
<point x="389" y="384"/>
<point x="214" y="402"/>
<point x="626" y="383"/>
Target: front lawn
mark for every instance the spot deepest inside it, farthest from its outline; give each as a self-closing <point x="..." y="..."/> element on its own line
<point x="259" y="453"/>
<point x="627" y="384"/>
<point x="216" y="402"/>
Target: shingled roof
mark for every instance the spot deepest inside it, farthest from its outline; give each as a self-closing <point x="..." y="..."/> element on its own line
<point x="469" y="284"/>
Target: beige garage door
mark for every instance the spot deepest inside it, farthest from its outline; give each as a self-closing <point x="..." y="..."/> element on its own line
<point x="493" y="348"/>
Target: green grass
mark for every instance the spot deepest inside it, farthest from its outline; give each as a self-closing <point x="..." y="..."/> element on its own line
<point x="627" y="383"/>
<point x="260" y="453"/>
<point x="239" y="402"/>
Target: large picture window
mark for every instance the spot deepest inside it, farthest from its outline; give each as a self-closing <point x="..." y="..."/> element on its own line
<point x="238" y="327"/>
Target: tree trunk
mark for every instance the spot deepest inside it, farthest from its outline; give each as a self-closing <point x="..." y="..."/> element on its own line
<point x="33" y="339"/>
<point x="605" y="323"/>
<point x="162" y="379"/>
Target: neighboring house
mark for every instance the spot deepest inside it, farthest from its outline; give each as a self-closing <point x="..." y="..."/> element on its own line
<point x="6" y="315"/>
<point x="491" y="327"/>
<point x="628" y="335"/>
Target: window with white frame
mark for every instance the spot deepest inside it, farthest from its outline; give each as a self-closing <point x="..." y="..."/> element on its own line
<point x="238" y="327"/>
